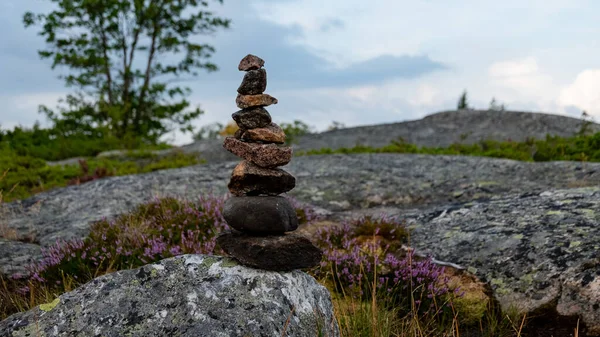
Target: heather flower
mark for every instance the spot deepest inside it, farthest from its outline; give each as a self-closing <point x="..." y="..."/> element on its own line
<point x="365" y="254"/>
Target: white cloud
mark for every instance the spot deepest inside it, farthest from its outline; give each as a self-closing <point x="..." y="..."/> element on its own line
<point x="584" y="92"/>
<point x="23" y="109"/>
<point x="525" y="67"/>
<point x="426" y="94"/>
<point x="411" y="27"/>
<point x="523" y="79"/>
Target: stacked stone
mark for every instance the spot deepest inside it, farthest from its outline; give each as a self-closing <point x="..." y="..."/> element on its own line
<point x="261" y="219"/>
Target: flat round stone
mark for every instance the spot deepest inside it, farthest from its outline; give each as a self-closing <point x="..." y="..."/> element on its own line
<point x="263" y="155"/>
<point x="276" y="253"/>
<point x="254" y="82"/>
<point x="251" y="62"/>
<point x="249" y="179"/>
<point x="271" y="133"/>
<point x="249" y="101"/>
<point x="252" y="118"/>
<point x="261" y="215"/>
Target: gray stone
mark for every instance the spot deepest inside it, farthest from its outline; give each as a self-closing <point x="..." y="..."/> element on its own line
<point x="252" y="118"/>
<point x="277" y="252"/>
<point x="189" y="295"/>
<point x="251" y="62"/>
<point x="445" y="128"/>
<point x="540" y="252"/>
<point x="260" y="214"/>
<point x="254" y="82"/>
<point x="16" y="255"/>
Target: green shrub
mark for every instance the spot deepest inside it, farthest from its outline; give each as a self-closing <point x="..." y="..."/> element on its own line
<point x="553" y="148"/>
<point x="51" y="145"/>
<point x="26" y="175"/>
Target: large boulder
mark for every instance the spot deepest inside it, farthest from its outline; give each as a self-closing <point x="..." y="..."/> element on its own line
<point x="189" y="295"/>
<point x="540" y="252"/>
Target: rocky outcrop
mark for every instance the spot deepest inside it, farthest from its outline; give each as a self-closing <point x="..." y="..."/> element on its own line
<point x="447" y="127"/>
<point x="529" y="229"/>
<point x="331" y="183"/>
<point x="189" y="295"/>
<point x="539" y="252"/>
<point x="435" y="130"/>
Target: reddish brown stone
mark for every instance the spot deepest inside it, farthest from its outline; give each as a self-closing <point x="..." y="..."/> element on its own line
<point x="249" y="179"/>
<point x="263" y="155"/>
<point x="269" y="134"/>
<point x="250" y="101"/>
<point x="251" y="62"/>
<point x="254" y="82"/>
<point x="257" y="117"/>
<point x="279" y="253"/>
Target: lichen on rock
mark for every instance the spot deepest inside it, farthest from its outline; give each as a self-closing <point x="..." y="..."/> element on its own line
<point x="188" y="295"/>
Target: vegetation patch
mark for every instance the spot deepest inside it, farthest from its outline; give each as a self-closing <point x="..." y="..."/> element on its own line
<point x="25" y="175"/>
<point x="378" y="288"/>
<point x="583" y="147"/>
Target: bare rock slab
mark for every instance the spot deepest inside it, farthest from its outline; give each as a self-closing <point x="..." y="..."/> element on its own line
<point x="254" y="82"/>
<point x="251" y="118"/>
<point x="249" y="179"/>
<point x="263" y="155"/>
<point x="278" y="253"/>
<point x="186" y="296"/>
<point x="260" y="214"/>
<point x="251" y="62"/>
<point x="538" y="251"/>
<point x="272" y="133"/>
<point x="249" y="101"/>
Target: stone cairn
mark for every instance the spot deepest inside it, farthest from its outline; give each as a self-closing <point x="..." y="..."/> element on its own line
<point x="261" y="219"/>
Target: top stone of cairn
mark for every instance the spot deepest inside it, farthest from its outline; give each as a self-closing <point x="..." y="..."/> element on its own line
<point x="251" y="62"/>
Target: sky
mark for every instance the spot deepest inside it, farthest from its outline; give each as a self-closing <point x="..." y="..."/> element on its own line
<point x="360" y="62"/>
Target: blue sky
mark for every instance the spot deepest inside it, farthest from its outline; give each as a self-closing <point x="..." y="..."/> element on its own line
<point x="362" y="62"/>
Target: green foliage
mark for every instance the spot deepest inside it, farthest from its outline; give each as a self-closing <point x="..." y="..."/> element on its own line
<point x="27" y="175"/>
<point x="494" y="106"/>
<point x="210" y="131"/>
<point x="335" y="125"/>
<point x="49" y="144"/>
<point x="586" y="123"/>
<point x="98" y="40"/>
<point x="463" y="103"/>
<point x="553" y="148"/>
<point x="295" y="130"/>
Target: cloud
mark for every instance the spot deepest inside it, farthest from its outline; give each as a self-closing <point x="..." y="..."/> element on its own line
<point x="23" y="109"/>
<point x="362" y="62"/>
<point x="519" y="68"/>
<point x="523" y="78"/>
<point x="584" y="92"/>
<point x="332" y="24"/>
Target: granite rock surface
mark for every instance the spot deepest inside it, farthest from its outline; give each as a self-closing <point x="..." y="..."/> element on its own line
<point x="529" y="229"/>
<point x="189" y="295"/>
